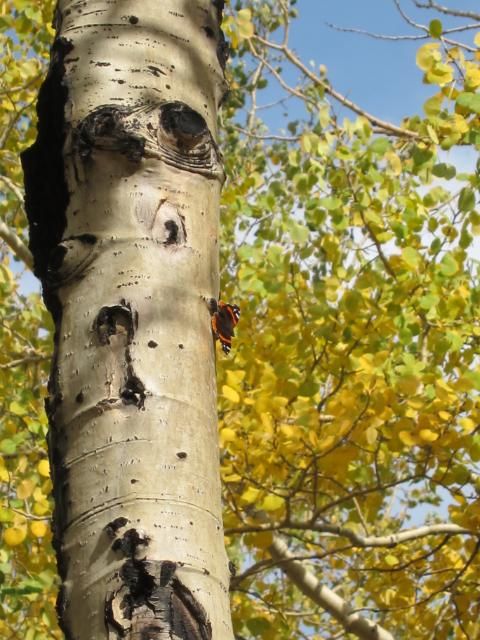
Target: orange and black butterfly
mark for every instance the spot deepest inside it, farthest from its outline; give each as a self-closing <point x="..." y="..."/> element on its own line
<point x="224" y="319"/>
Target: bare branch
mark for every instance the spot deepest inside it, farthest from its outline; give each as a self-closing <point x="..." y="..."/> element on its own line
<point x="16" y="245"/>
<point x="391" y="540"/>
<point x="13" y="187"/>
<point x="323" y="596"/>
<point x="382" y="124"/>
<point x="21" y="361"/>
<point x="458" y="13"/>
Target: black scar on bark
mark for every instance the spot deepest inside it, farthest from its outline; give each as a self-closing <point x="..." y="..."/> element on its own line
<point x="114" y="320"/>
<point x="186" y="125"/>
<point x="129" y="542"/>
<point x="223" y="48"/>
<point x="153" y="586"/>
<point x="46" y="190"/>
<point x="105" y="128"/>
<point x="115" y="525"/>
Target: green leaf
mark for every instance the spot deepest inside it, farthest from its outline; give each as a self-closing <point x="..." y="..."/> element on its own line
<point x="470" y="101"/>
<point x="8" y="447"/>
<point x="330" y="203"/>
<point x="435" y="28"/>
<point x="466" y="200"/>
<point x="448" y="266"/>
<point x="411" y="257"/>
<point x="380" y="146"/>
<point x="258" y="626"/>
<point x="443" y="170"/>
<point x="17" y="409"/>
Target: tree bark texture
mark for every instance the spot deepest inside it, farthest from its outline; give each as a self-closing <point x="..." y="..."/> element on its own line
<point x="122" y="193"/>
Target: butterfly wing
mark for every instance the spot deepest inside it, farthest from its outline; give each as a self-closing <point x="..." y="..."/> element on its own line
<point x="223" y="323"/>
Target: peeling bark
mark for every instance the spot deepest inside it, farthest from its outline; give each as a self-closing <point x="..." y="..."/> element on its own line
<point x="122" y="191"/>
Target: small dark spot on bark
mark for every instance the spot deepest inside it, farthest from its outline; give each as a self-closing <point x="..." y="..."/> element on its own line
<point x="180" y="346"/>
<point x="182" y="455"/>
<point x="209" y="32"/>
<point x="102" y="64"/>
<point x="133" y="481"/>
<point x="167" y="86"/>
<point x="112" y="527"/>
<point x="87" y="238"/>
<point x="172" y="227"/>
<point x="155" y="70"/>
<point x="133" y="392"/>
<point x="79" y="397"/>
<point x="133" y="20"/>
<point x="152" y="344"/>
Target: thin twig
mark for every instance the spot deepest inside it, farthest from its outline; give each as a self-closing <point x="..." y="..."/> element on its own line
<point x="458" y="13"/>
<point x="383" y="124"/>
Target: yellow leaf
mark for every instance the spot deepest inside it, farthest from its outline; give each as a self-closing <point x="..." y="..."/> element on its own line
<point x="391" y="560"/>
<point x="39" y="529"/>
<point x="272" y="503"/>
<point x="234" y="477"/>
<point x="25" y="489"/>
<point x="371" y="435"/>
<point x="407" y="438"/>
<point x="41" y="508"/>
<point x="326" y="443"/>
<point x="230" y="394"/>
<point x="250" y="495"/>
<point x="43" y="468"/>
<point x="427" y="435"/>
<point x="262" y="540"/>
<point x="227" y="435"/>
<point x="394" y="162"/>
<point x="467" y="424"/>
<point x="234" y="378"/>
<point x="14" y="536"/>
<point x="245" y="24"/>
<point x="17" y="409"/>
<point x="444" y="415"/>
<point x="428" y="55"/>
<point x="476" y="39"/>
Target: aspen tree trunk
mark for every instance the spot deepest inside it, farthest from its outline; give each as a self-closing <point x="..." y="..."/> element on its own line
<point x="122" y="193"/>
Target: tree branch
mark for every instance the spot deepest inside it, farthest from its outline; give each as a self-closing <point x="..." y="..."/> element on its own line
<point x="391" y="540"/>
<point x="383" y="124"/>
<point x="310" y="586"/>
<point x="458" y="13"/>
<point x="16" y="245"/>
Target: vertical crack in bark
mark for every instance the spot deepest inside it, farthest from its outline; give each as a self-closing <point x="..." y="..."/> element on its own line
<point x="152" y="601"/>
<point x="43" y="165"/>
<point x="115" y="326"/>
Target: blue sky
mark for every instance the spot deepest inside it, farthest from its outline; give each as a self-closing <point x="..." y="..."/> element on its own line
<point x="381" y="76"/>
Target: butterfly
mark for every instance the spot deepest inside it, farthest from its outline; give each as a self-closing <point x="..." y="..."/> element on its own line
<point x="224" y="318"/>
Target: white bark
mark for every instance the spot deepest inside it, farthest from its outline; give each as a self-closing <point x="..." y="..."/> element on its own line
<point x="132" y="406"/>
